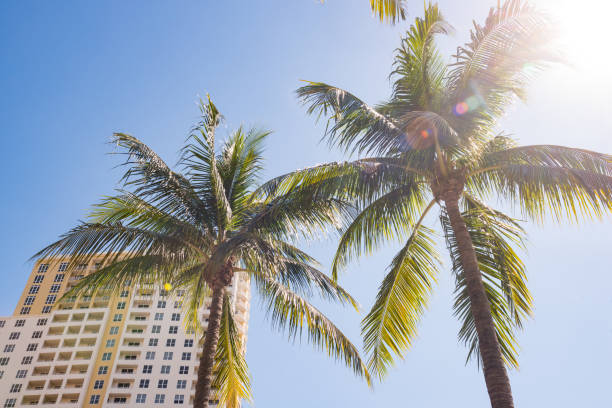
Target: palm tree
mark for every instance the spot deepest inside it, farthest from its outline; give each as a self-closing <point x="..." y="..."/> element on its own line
<point x="434" y="144"/>
<point x="196" y="230"/>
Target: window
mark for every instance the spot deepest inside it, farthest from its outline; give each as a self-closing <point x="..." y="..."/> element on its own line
<point x="163" y="292"/>
<point x="9" y="348"/>
<point x="106" y="356"/>
<point x="170" y="342"/>
<point x="165" y="369"/>
<point x="42" y="268"/>
<point x="190" y="330"/>
<point x="15" y="388"/>
<point x="176" y="317"/>
<point x="150" y="355"/>
<point x="37" y="334"/>
<point x="102" y="370"/>
<point x="153" y="342"/>
<point x="34" y="289"/>
<point x="32" y="347"/>
<point x="120" y="400"/>
<point x="184" y="370"/>
<point x="168" y="355"/>
<point x="27" y="360"/>
<point x="39" y="278"/>
<point x="180" y="292"/>
<point x="81" y="267"/>
<point x="186" y="356"/>
<point x="162" y="384"/>
<point x="55" y="288"/>
<point x="46" y="309"/>
<point x="147" y="369"/>
<point x="50" y="299"/>
<point x="94" y="399"/>
<point x="14" y="335"/>
<point x="159" y="316"/>
<point x="121" y="305"/>
<point x="29" y="300"/>
<point x="140" y="318"/>
<point x="2" y="323"/>
<point x="59" y="277"/>
<point x="117" y="317"/>
<point x="141" y="398"/>
<point x="21" y="373"/>
<point x="4" y="361"/>
<point x="98" y="384"/>
<point x="179" y="399"/>
<point x="1" y="374"/>
<point x="189" y="343"/>
<point x="25" y="310"/>
<point x="143" y="384"/>
<point x="130" y="357"/>
<point x="156" y="329"/>
<point x="110" y="343"/>
<point x="9" y="403"/>
<point x="41" y="322"/>
<point x="181" y="384"/>
<point x="97" y="265"/>
<point x="114" y="330"/>
<point x="62" y="267"/>
<point x="159" y="398"/>
<point x="161" y="304"/>
<point x="173" y="329"/>
<point x="19" y="323"/>
<point x="178" y="305"/>
<point x="124" y="293"/>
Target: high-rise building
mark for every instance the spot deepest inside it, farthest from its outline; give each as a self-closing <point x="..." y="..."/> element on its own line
<point x="102" y="351"/>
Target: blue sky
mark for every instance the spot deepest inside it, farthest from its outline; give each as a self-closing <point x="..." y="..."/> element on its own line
<point x="71" y="73"/>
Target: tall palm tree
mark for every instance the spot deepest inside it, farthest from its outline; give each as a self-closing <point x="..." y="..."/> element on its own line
<point x="434" y="144"/>
<point x="197" y="229"/>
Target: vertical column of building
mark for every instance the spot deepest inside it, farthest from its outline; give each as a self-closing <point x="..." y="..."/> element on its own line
<point x="107" y="354"/>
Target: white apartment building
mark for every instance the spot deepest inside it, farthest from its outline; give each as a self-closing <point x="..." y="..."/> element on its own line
<point x="128" y="351"/>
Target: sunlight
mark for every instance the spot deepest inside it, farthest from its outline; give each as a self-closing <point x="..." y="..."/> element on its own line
<point x="584" y="35"/>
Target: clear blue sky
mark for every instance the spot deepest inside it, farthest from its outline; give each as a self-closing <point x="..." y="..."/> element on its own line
<point x="71" y="73"/>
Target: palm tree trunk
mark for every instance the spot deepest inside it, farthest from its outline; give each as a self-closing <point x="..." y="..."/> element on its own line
<point x="496" y="377"/>
<point x="202" y="391"/>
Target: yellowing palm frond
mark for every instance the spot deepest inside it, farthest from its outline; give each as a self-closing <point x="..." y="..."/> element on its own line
<point x="231" y="374"/>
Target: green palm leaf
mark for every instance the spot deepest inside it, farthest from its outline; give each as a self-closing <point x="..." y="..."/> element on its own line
<point x="391" y="324"/>
<point x="231" y="374"/>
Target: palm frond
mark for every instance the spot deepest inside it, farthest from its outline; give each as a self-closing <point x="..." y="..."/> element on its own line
<point x="391" y="324"/>
<point x="501" y="58"/>
<point x="541" y="190"/>
<point x="87" y="240"/>
<point x="155" y="182"/>
<point x="291" y="312"/>
<point x="494" y="237"/>
<point x="200" y="161"/>
<point x="352" y="124"/>
<point x="390" y="10"/>
<point x="291" y="267"/>
<point x="389" y="217"/>
<point x="419" y="70"/>
<point x="230" y="372"/>
<point x="240" y="165"/>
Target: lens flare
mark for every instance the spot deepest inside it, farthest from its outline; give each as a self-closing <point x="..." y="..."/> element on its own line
<point x="461" y="108"/>
<point x="167" y="286"/>
<point x="425" y="133"/>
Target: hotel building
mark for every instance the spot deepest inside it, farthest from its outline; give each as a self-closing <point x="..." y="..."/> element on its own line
<point x="131" y="350"/>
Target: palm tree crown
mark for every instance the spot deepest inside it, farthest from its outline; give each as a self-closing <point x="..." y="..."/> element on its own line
<point x="195" y="230"/>
<point x="434" y="142"/>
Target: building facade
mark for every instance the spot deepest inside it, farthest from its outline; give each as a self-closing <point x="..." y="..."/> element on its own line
<point x="130" y="350"/>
